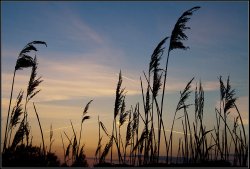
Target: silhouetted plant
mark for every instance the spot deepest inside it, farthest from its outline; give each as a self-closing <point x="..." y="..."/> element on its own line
<point x="122" y="119"/>
<point x="103" y="155"/>
<point x="51" y="140"/>
<point x="176" y="39"/>
<point x="44" y="152"/>
<point x="175" y="43"/>
<point x="193" y="147"/>
<point x="128" y="133"/>
<point x="64" y="153"/>
<point x="181" y="104"/>
<point x="148" y="140"/>
<point x="23" y="61"/>
<point x="227" y="102"/>
<point x="33" y="84"/>
<point x="52" y="160"/>
<point x="98" y="149"/>
<point x="29" y="156"/>
<point x="106" y="150"/>
<point x="135" y="130"/>
<point x="15" y="115"/>
<point x="120" y="96"/>
<point x="78" y="158"/>
<point x="84" y="117"/>
<point x="154" y="67"/>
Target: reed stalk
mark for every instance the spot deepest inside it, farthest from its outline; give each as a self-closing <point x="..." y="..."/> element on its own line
<point x="44" y="152"/>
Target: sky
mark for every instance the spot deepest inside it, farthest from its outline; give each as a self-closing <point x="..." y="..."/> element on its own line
<point x="88" y="43"/>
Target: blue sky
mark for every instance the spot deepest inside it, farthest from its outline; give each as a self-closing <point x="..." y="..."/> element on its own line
<point x="89" y="42"/>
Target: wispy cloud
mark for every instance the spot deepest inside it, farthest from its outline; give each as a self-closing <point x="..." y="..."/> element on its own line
<point x="74" y="27"/>
<point x="78" y="124"/>
<point x="62" y="128"/>
<point x="80" y="29"/>
<point x="174" y="131"/>
<point x="210" y="85"/>
<point x="68" y="80"/>
<point x="77" y="79"/>
<point x="128" y="78"/>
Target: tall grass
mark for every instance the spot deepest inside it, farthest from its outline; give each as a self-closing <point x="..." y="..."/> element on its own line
<point x="119" y="100"/>
<point x="78" y="157"/>
<point x="16" y="113"/>
<point x="17" y="153"/>
<point x="238" y="134"/>
<point x="198" y="145"/>
<point x="176" y="39"/>
<point x="194" y="147"/>
<point x="181" y="105"/>
<point x="159" y="79"/>
<point x="44" y="152"/>
<point x="23" y="61"/>
<point x="31" y="89"/>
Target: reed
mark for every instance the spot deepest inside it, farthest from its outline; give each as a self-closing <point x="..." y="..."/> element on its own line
<point x="31" y="89"/>
<point x="78" y="157"/>
<point x="181" y="105"/>
<point x="23" y="61"/>
<point x="120" y="96"/>
<point x="51" y="140"/>
<point x="176" y="39"/>
<point x="157" y="76"/>
<point x="142" y="148"/>
<point x="16" y="113"/>
<point x="106" y="150"/>
<point x="122" y="120"/>
<point x="44" y="152"/>
<point x="227" y="103"/>
<point x="99" y="145"/>
<point x="84" y="117"/>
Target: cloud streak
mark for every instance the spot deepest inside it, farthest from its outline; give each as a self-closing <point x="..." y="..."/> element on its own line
<point x="68" y="79"/>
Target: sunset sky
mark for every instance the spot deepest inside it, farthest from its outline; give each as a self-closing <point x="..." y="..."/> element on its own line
<point x="90" y="42"/>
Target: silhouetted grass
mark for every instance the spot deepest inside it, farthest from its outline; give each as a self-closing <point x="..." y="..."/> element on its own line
<point x="198" y="146"/>
<point x="17" y="153"/>
<point x="23" y="61"/>
<point x="78" y="157"/>
<point x="44" y="152"/>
